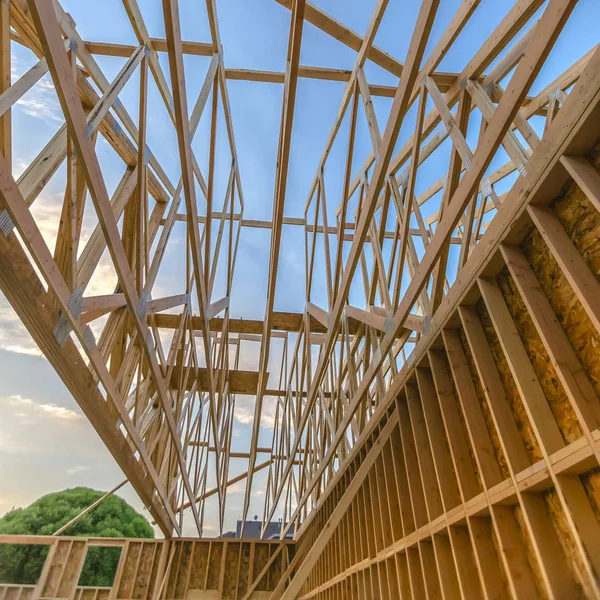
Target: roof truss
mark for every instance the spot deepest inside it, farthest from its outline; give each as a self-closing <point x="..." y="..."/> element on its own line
<point x="160" y="387"/>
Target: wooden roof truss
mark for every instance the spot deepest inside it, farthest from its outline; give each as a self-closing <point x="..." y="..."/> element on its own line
<point x="160" y="388"/>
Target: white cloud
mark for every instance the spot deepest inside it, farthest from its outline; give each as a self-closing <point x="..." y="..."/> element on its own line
<point x="30" y="427"/>
<point x="104" y="279"/>
<point x="244" y="411"/>
<point x="19" y="167"/>
<point x="267" y="419"/>
<point x="41" y="102"/>
<point x="13" y="334"/>
<point x="46" y="444"/>
<point x="46" y="211"/>
<point x="26" y="407"/>
<point x="237" y="488"/>
<point x="77" y="469"/>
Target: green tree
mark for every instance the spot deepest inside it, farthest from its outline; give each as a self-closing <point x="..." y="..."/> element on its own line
<point x="112" y="518"/>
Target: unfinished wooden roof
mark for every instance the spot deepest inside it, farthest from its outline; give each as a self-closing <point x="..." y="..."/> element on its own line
<point x="385" y="247"/>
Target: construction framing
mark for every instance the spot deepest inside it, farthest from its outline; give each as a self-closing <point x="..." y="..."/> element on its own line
<point x="437" y="412"/>
<point x="152" y="569"/>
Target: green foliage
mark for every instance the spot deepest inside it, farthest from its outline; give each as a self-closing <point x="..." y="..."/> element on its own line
<point x="112" y="518"/>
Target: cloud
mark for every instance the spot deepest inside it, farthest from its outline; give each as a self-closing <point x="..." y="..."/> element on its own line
<point x="26" y="407"/>
<point x="244" y="411"/>
<point x="13" y="334"/>
<point x="46" y="444"/>
<point x="46" y="211"/>
<point x="77" y="469"/>
<point x="40" y="102"/>
<point x="267" y="419"/>
<point x="19" y="166"/>
<point x="30" y="427"/>
<point x="104" y="279"/>
<point x="237" y="488"/>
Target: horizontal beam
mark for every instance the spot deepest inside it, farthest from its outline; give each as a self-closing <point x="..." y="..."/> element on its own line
<point x="442" y="79"/>
<point x="376" y="318"/>
<point x="239" y="382"/>
<point x="282" y="321"/>
<point x="158" y="44"/>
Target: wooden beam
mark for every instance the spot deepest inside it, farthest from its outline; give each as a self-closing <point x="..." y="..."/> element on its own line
<point x="281" y="176"/>
<point x="5" y="82"/>
<point x="329" y="529"/>
<point x="47" y="27"/>
<point x="399" y="108"/>
<point x="240" y="382"/>
<point x="173" y="34"/>
<point x="340" y="32"/>
<point x="32" y="303"/>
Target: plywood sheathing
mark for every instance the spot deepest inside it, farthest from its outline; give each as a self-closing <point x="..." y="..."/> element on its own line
<point x="530" y="552"/>
<point x="562" y="409"/>
<point x="510" y="387"/>
<point x="574" y="320"/>
<point x="484" y="407"/>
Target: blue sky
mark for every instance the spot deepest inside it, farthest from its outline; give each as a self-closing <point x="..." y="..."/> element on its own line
<point x="45" y="443"/>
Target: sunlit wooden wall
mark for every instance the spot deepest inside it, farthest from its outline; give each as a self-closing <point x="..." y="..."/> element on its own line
<point x="481" y="478"/>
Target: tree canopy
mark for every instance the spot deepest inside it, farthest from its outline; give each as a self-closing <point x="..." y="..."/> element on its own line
<point x="112" y="518"/>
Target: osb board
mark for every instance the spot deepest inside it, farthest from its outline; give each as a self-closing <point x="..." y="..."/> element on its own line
<point x="591" y="483"/>
<point x="16" y="592"/>
<point x="275" y="570"/>
<point x="203" y="595"/>
<point x="578" y="328"/>
<point x="244" y="569"/>
<point x="261" y="556"/>
<point x="133" y="550"/>
<point x="510" y="388"/>
<point x="465" y="431"/>
<point x="375" y="577"/>
<point x="485" y="409"/>
<point x="291" y="553"/>
<point x="154" y="577"/>
<point x="581" y="221"/>
<point x="214" y="566"/>
<point x="554" y="392"/>
<point x="232" y="562"/>
<point x="60" y="557"/>
<point x="91" y="593"/>
<point x="573" y="562"/>
<point x="174" y="570"/>
<point x="183" y="569"/>
<point x="435" y="409"/>
<point x="530" y="553"/>
<point x="198" y="570"/>
<point x="367" y="580"/>
<point x="492" y="530"/>
<point x="146" y="571"/>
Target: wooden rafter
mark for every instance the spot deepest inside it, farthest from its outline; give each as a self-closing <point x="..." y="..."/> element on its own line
<point x="410" y="404"/>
